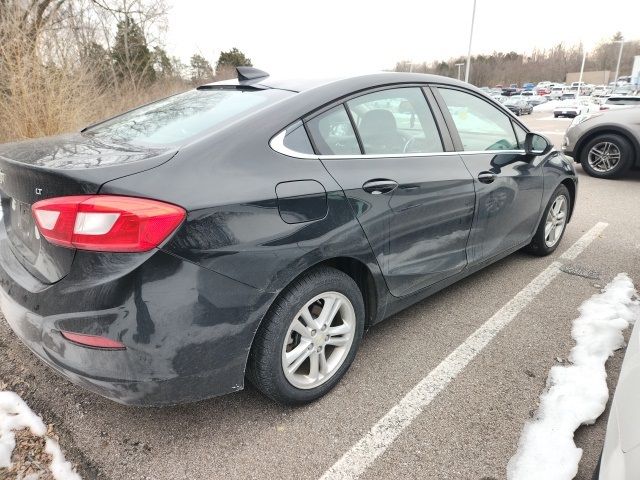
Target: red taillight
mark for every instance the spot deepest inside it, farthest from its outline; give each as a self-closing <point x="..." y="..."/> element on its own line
<point x="106" y="223"/>
<point x="94" y="341"/>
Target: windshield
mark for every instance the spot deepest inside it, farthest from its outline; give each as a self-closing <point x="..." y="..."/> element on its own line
<point x="176" y="119"/>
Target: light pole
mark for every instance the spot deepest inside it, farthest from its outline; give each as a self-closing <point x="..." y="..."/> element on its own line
<point x="584" y="57"/>
<point x="459" y="65"/>
<point x="621" y="42"/>
<point x="473" y="19"/>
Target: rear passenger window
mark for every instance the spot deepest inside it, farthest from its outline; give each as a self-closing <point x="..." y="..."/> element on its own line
<point x="297" y="140"/>
<point x="333" y="134"/>
<point x="395" y="121"/>
<point x="481" y="126"/>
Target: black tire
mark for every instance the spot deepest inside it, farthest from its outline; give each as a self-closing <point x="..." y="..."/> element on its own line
<point x="538" y="246"/>
<point x="626" y="155"/>
<point x="556" y="116"/>
<point x="264" y="368"/>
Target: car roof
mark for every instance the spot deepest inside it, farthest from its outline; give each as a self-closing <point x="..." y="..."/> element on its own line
<point x="355" y="81"/>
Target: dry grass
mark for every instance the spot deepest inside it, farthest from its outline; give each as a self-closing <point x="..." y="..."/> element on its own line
<point x="40" y="101"/>
<point x="29" y="458"/>
<point x="42" y="94"/>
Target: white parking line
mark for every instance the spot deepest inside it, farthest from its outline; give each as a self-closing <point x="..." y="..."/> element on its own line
<point x="361" y="455"/>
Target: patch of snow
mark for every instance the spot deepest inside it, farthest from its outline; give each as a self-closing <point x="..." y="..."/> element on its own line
<point x="15" y="414"/>
<point x="547" y="107"/>
<point x="576" y="394"/>
<point x="60" y="468"/>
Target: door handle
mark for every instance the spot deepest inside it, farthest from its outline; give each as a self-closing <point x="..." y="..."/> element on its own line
<point x="379" y="186"/>
<point x="486" y="177"/>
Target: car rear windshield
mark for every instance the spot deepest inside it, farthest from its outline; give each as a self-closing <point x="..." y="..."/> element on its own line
<point x="624" y="101"/>
<point x="179" y="118"/>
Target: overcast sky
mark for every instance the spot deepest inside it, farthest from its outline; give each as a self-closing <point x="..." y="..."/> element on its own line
<point x="334" y="37"/>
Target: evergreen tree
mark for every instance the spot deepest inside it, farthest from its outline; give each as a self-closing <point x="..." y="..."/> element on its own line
<point x="232" y="58"/>
<point x="131" y="55"/>
<point x="201" y="70"/>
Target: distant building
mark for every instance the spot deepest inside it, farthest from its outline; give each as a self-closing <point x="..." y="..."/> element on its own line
<point x="600" y="77"/>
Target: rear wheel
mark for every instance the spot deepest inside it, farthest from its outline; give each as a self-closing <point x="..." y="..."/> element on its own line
<point x="553" y="223"/>
<point x="607" y="156"/>
<point x="309" y="338"/>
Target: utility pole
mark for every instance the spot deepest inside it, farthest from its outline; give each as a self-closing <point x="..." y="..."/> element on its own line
<point x="473" y="19"/>
<point x="459" y="65"/>
<point x="621" y="42"/>
<point x="584" y="58"/>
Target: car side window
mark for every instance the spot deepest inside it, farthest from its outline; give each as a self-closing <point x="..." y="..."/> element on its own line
<point x="481" y="126"/>
<point x="395" y="121"/>
<point x="297" y="140"/>
<point x="521" y="134"/>
<point x="333" y="134"/>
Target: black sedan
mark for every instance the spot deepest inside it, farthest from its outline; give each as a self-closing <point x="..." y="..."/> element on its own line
<point x="519" y="106"/>
<point x="255" y="228"/>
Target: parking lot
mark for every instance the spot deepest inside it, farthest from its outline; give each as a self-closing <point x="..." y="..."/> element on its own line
<point x="468" y="430"/>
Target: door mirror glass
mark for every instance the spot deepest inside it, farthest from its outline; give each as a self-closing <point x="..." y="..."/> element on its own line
<point x="535" y="144"/>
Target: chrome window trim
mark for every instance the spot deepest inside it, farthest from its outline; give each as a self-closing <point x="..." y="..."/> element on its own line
<point x="277" y="144"/>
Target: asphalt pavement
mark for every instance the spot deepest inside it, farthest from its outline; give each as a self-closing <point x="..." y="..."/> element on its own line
<point x="468" y="429"/>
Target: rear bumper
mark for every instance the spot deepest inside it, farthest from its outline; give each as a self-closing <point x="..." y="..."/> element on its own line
<point x="187" y="330"/>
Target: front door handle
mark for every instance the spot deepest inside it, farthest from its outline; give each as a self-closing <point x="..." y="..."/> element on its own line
<point x="486" y="177"/>
<point x="379" y="186"/>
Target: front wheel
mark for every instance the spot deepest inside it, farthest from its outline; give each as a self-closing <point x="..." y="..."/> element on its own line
<point x="607" y="156"/>
<point x="309" y="338"/>
<point x="553" y="223"/>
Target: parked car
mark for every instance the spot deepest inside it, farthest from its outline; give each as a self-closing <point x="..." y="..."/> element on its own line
<point x="600" y="91"/>
<point x="518" y="106"/>
<point x="620" y="458"/>
<point x="607" y="144"/>
<point x="556" y="92"/>
<point x="253" y="228"/>
<point x="623" y="90"/>
<point x="537" y="100"/>
<point x="569" y="108"/>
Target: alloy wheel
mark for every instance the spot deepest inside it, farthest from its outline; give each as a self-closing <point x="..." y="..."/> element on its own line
<point x="604" y="156"/>
<point x="318" y="340"/>
<point x="556" y="221"/>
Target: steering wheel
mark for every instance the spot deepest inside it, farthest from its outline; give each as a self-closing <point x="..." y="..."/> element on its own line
<point x="408" y="143"/>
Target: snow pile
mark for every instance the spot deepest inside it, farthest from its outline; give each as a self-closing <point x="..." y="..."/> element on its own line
<point x="576" y="394"/>
<point x="547" y="106"/>
<point x="15" y="414"/>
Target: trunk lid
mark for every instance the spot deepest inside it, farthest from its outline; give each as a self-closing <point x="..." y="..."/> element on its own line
<point x="53" y="167"/>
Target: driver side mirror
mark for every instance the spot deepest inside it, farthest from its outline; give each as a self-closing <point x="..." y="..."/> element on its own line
<point x="536" y="144"/>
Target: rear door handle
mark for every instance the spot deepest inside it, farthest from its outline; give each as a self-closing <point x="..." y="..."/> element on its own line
<point x="486" y="177"/>
<point x="379" y="186"/>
